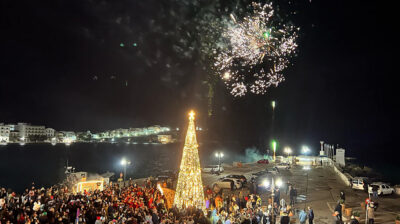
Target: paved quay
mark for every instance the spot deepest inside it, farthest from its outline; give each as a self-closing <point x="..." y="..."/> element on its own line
<point x="324" y="186"/>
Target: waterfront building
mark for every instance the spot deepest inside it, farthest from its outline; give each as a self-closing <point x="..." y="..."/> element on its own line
<point x="164" y="139"/>
<point x="14" y="136"/>
<point x="27" y="131"/>
<point x="84" y="136"/>
<point x="66" y="137"/>
<point x="4" y="133"/>
<point x="50" y="132"/>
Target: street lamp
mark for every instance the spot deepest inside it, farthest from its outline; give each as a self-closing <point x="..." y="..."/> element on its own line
<point x="125" y="163"/>
<point x="219" y="155"/>
<point x="305" y="150"/>
<point x="287" y="150"/>
<point x="274" y="183"/>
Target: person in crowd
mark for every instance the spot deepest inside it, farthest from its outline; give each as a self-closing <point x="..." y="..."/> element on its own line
<point x="302" y="217"/>
<point x="342" y="195"/>
<point x="277" y="195"/>
<point x="375" y="191"/>
<point x="310" y="215"/>
<point x="288" y="187"/>
<point x="285" y="219"/>
<point x="336" y="218"/>
<point x="353" y="220"/>
<point x="338" y="209"/>
<point x="371" y="215"/>
<point x="293" y="196"/>
<point x="282" y="204"/>
<point x="133" y="204"/>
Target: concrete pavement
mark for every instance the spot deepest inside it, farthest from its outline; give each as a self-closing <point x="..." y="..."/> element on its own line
<point x="323" y="190"/>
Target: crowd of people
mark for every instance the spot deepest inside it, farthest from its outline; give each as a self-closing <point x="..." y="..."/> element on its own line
<point x="139" y="204"/>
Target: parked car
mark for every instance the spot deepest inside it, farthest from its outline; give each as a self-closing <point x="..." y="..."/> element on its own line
<point x="274" y="170"/>
<point x="228" y="184"/>
<point x="260" y="173"/>
<point x="360" y="183"/>
<point x="213" y="169"/>
<point x="242" y="178"/>
<point x="263" y="161"/>
<point x="382" y="188"/>
<point x="162" y="178"/>
<point x="283" y="166"/>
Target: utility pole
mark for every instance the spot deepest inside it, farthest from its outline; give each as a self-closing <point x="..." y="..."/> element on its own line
<point x="272" y="201"/>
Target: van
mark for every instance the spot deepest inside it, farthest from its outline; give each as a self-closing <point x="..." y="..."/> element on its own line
<point x="213" y="169"/>
<point x="360" y="183"/>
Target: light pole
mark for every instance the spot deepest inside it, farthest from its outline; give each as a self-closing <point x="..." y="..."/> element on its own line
<point x="219" y="155"/>
<point x="305" y="150"/>
<point x="287" y="150"/>
<point x="273" y="183"/>
<point x="125" y="162"/>
<point x="305" y="203"/>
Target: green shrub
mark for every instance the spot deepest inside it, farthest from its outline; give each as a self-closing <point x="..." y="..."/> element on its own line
<point x="398" y="217"/>
<point x="356" y="213"/>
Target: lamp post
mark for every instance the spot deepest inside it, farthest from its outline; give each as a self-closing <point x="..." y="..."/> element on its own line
<point x="125" y="163"/>
<point x="272" y="198"/>
<point x="274" y="183"/>
<point x="219" y="155"/>
<point x="305" y="150"/>
<point x="287" y="150"/>
<point x="305" y="203"/>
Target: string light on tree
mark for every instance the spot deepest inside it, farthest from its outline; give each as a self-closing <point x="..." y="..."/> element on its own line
<point x="189" y="190"/>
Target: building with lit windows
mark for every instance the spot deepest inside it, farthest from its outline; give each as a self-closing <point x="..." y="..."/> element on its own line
<point x="50" y="132"/>
<point x="27" y="131"/>
<point x="4" y="133"/>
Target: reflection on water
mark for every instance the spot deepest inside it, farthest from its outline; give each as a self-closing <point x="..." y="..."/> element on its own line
<point x="45" y="163"/>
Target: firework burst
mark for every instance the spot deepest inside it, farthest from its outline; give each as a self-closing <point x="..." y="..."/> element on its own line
<point x="257" y="51"/>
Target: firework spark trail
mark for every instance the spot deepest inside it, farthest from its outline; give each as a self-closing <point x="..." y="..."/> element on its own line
<point x="258" y="50"/>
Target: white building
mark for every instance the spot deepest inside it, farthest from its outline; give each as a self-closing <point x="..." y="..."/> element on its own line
<point x="50" y="132"/>
<point x="4" y="133"/>
<point x="66" y="136"/>
<point x="26" y="130"/>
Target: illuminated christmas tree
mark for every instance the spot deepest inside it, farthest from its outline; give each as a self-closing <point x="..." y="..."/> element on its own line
<point x="189" y="190"/>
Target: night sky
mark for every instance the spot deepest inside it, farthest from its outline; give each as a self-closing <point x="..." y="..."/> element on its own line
<point x="62" y="66"/>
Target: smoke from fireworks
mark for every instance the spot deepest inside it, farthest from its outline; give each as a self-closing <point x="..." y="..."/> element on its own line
<point x="258" y="50"/>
